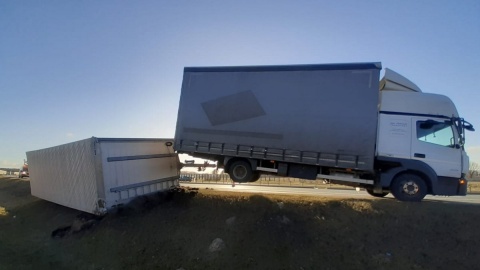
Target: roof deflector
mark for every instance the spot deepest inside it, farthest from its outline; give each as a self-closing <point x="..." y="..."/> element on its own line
<point x="396" y="82"/>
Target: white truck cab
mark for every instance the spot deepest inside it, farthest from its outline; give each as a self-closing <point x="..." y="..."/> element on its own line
<point x="424" y="133"/>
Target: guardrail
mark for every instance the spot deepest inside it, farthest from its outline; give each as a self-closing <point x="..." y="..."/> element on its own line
<point x="273" y="180"/>
<point x="265" y="180"/>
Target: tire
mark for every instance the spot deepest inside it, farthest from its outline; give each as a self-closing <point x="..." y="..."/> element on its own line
<point x="240" y="171"/>
<point x="408" y="188"/>
<point x="256" y="176"/>
<point x="378" y="195"/>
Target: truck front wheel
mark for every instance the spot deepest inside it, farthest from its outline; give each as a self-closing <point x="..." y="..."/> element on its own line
<point x="241" y="171"/>
<point x="408" y="187"/>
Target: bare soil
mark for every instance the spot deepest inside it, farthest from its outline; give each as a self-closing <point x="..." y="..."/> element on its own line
<point x="175" y="230"/>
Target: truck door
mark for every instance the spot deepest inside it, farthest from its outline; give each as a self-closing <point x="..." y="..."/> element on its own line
<point x="435" y="142"/>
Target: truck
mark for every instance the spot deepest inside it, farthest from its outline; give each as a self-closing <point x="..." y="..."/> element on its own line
<point x="23" y="171"/>
<point x="337" y="122"/>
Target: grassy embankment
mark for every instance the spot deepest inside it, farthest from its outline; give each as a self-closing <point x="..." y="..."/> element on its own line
<point x="259" y="232"/>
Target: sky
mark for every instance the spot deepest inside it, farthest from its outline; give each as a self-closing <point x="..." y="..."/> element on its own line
<point x="70" y="70"/>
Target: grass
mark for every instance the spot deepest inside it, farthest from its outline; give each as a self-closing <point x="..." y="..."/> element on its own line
<point x="268" y="232"/>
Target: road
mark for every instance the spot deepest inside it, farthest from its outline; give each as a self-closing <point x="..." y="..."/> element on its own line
<point x="344" y="193"/>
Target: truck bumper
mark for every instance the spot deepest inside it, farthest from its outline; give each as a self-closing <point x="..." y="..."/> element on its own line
<point x="450" y="186"/>
<point x="462" y="187"/>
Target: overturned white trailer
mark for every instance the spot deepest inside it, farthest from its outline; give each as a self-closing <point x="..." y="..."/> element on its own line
<point x="96" y="174"/>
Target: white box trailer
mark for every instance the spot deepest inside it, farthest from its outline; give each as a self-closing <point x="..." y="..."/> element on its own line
<point x="96" y="174"/>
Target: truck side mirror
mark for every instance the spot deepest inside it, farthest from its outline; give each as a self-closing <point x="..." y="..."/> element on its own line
<point x="468" y="126"/>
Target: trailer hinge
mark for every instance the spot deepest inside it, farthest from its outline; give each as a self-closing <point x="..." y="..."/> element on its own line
<point x="95" y="142"/>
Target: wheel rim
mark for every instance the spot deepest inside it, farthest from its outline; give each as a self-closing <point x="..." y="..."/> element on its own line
<point x="410" y="188"/>
<point x="240" y="172"/>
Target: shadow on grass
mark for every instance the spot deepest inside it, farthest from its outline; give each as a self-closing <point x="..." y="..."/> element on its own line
<point x="170" y="231"/>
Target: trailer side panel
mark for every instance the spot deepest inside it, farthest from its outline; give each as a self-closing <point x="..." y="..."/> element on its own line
<point x="315" y="114"/>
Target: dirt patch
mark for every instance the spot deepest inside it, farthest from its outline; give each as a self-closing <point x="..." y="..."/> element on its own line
<point x="82" y="222"/>
<point x="178" y="230"/>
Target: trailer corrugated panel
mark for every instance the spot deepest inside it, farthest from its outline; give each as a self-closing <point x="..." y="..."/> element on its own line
<point x="95" y="174"/>
<point x="65" y="175"/>
<point x="311" y="114"/>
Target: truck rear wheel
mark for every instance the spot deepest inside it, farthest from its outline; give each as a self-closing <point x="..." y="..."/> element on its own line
<point x="378" y="195"/>
<point x="408" y="187"/>
<point x="255" y="177"/>
<point x="241" y="171"/>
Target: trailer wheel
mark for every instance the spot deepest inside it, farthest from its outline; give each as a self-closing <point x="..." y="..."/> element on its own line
<point x="241" y="171"/>
<point x="408" y="187"/>
<point x="378" y="195"/>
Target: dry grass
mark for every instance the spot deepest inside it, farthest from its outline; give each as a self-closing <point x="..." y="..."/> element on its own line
<point x="474" y="187"/>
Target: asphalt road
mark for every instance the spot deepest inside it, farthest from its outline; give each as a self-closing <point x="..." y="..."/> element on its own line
<point x="343" y="193"/>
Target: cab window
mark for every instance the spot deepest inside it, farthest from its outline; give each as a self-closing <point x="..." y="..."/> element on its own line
<point x="439" y="133"/>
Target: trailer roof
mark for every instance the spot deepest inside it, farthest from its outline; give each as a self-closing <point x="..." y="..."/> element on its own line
<point x="343" y="66"/>
<point x="131" y="139"/>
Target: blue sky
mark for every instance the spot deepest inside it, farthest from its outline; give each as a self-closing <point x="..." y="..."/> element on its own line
<point x="70" y="70"/>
